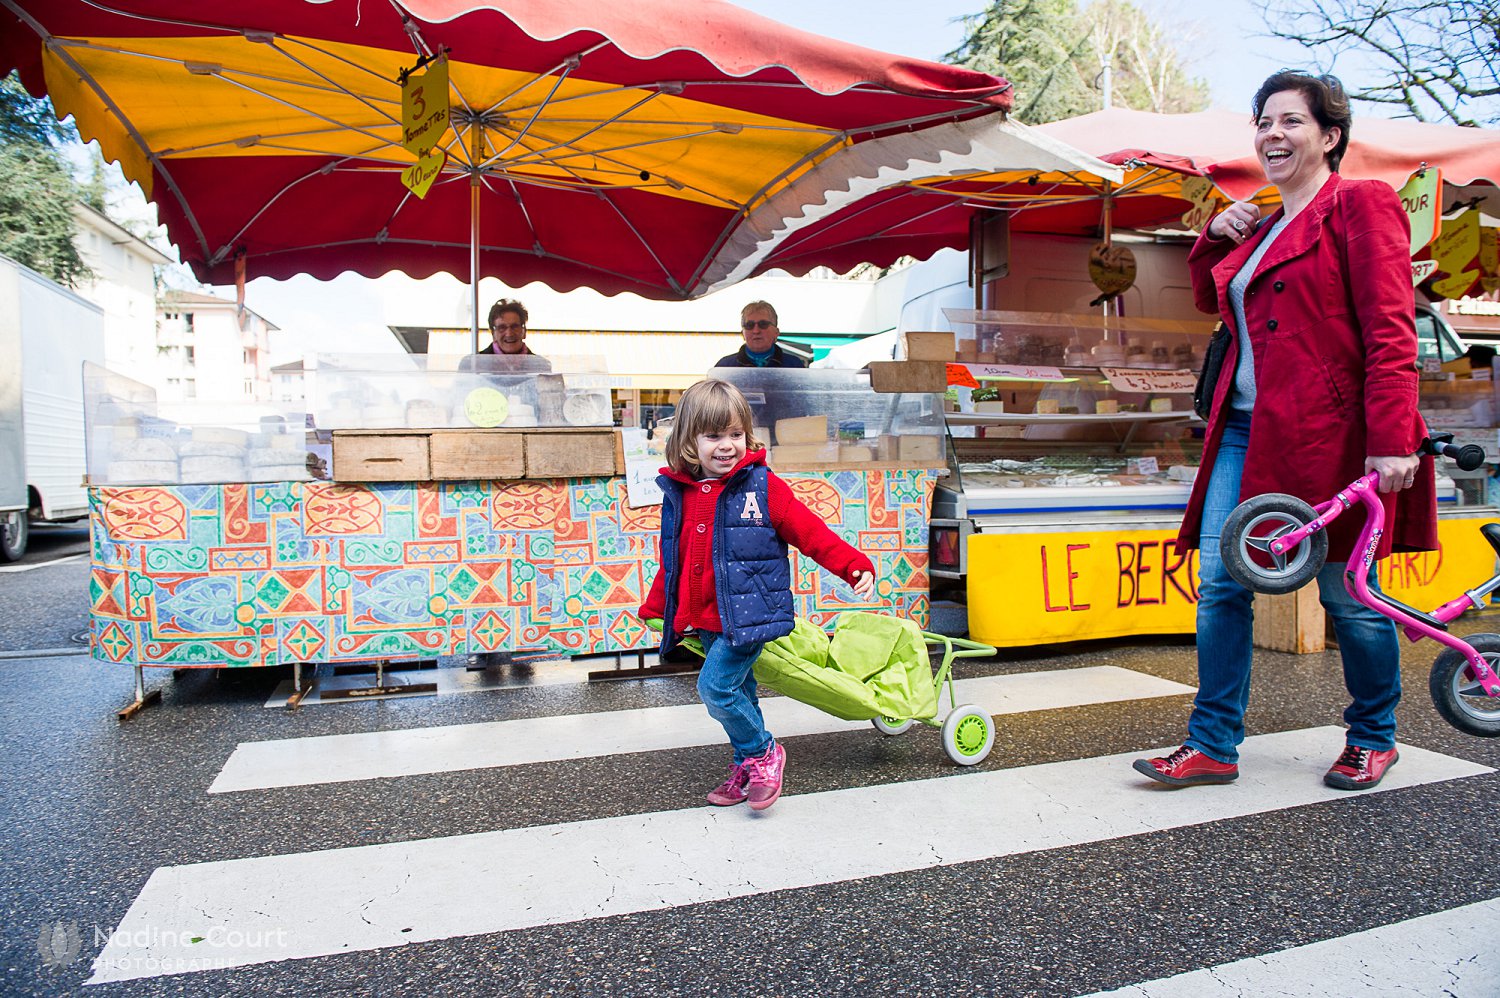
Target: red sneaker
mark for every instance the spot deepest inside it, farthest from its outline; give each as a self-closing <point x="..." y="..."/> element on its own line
<point x="765" y="777"/>
<point x="1187" y="767"/>
<point x="1360" y="768"/>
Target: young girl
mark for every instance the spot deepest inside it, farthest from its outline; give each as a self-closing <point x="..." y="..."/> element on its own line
<point x="726" y="520"/>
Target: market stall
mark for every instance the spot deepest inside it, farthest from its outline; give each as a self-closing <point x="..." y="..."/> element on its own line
<point x="1074" y="454"/>
<point x="461" y="512"/>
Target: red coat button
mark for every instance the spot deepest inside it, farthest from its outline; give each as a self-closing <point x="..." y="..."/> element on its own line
<point x="707" y="487"/>
<point x="701" y="528"/>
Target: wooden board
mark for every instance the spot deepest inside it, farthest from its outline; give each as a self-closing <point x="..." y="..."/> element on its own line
<point x="480" y="455"/>
<point x="570" y="454"/>
<point x="387" y="457"/>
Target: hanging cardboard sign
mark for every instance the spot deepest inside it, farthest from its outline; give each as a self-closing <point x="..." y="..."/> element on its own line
<point x="424" y="107"/>
<point x="1420" y="199"/>
<point x="1111" y="268"/>
<point x="1421" y="270"/>
<point x="1455" y="249"/>
<point x="419" y="177"/>
<point x="1200" y="191"/>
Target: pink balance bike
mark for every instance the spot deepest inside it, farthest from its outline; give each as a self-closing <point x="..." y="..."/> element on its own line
<point x="1276" y="543"/>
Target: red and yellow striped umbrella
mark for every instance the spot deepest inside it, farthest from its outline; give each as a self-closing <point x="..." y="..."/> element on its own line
<point x="626" y="147"/>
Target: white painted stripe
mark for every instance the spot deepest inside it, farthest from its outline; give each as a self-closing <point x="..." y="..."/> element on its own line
<point x="8" y="569"/>
<point x="371" y="897"/>
<point x="1448" y="953"/>
<point x="373" y="755"/>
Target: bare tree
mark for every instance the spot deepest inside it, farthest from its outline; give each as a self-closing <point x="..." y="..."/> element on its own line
<point x="1147" y="65"/>
<point x="1443" y="58"/>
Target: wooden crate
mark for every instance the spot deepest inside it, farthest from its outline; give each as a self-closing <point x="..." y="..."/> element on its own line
<point x="581" y="453"/>
<point x="1292" y="623"/>
<point x="381" y="456"/>
<point x="483" y="455"/>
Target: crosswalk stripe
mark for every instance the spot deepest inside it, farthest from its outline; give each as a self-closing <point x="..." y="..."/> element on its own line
<point x="411" y="751"/>
<point x="1447" y="953"/>
<point x="274" y="908"/>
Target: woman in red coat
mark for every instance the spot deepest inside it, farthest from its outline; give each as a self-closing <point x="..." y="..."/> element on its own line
<point x="1319" y="387"/>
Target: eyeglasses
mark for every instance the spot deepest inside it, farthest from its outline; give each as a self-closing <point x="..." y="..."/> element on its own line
<point x="758" y="323"/>
<point x="505" y="327"/>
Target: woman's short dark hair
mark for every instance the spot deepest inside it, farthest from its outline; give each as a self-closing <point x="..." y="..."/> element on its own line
<point x="507" y="305"/>
<point x="1325" y="96"/>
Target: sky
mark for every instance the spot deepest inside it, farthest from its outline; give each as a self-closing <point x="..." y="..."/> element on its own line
<point x="1231" y="51"/>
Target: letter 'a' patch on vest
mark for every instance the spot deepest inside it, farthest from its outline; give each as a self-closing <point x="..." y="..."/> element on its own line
<point x="752" y="508"/>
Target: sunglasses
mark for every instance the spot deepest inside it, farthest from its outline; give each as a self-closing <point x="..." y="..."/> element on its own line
<point x="757" y="323"/>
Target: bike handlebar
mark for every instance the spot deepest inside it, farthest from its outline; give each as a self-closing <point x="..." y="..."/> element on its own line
<point x="1468" y="457"/>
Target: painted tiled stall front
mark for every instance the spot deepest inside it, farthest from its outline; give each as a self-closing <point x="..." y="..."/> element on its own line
<point x="270" y="574"/>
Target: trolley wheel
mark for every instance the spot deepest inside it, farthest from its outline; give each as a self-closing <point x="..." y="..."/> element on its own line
<point x="968" y="735"/>
<point x="892" y="725"/>
<point x="1458" y="695"/>
<point x="1245" y="541"/>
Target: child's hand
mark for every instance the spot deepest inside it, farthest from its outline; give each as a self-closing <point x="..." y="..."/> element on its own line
<point x="864" y="584"/>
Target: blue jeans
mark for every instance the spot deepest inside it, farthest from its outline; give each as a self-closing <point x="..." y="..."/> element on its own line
<point x="1367" y="641"/>
<point x="727" y="688"/>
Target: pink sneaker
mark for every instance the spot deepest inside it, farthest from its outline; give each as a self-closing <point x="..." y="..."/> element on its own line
<point x="765" y="773"/>
<point x="732" y="790"/>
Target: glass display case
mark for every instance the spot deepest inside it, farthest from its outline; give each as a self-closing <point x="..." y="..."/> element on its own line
<point x="1069" y="406"/>
<point x="817" y="419"/>
<point x="136" y="439"/>
<point x="403" y="391"/>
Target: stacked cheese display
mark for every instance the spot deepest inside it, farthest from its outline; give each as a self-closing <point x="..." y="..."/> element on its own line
<point x="202" y="455"/>
<point x="807" y="440"/>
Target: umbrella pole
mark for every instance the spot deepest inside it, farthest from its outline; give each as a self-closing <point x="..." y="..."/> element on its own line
<point x="474" y="188"/>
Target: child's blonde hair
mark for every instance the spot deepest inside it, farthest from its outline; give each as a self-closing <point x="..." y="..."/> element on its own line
<point x="709" y="406"/>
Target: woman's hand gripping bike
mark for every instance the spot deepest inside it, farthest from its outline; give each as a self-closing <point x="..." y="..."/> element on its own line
<point x="1276" y="543"/>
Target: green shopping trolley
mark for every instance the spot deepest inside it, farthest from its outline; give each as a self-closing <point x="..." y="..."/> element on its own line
<point x="878" y="668"/>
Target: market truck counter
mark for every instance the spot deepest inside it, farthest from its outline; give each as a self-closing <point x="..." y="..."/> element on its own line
<point x="1052" y="584"/>
<point x="270" y="573"/>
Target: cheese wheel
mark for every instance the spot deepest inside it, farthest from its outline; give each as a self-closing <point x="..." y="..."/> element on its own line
<point x="195" y="449"/>
<point x="142" y="473"/>
<point x="146" y="449"/>
<point x="212" y="469"/>
<point x="220" y="435"/>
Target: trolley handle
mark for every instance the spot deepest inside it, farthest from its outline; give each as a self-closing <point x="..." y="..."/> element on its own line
<point x="1468" y="457"/>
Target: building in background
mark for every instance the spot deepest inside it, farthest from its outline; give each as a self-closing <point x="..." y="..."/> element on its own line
<point x="123" y="284"/>
<point x="205" y="349"/>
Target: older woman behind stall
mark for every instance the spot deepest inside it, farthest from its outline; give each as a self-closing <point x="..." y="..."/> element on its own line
<point x="1319" y="387"/>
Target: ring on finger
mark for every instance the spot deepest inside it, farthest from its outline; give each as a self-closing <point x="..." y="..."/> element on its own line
<point x="1239" y="226"/>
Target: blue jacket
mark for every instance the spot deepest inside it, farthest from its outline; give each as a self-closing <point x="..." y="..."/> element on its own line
<point x="752" y="574"/>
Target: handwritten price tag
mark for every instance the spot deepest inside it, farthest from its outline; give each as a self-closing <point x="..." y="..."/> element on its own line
<point x="968" y="374"/>
<point x="1134" y="379"/>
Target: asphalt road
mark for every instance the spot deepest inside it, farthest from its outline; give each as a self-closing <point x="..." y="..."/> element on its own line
<point x="114" y="826"/>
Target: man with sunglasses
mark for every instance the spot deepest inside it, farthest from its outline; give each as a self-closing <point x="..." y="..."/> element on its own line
<point x="758" y="322"/>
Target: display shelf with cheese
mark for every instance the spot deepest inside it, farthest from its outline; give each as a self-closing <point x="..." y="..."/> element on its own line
<point x="821" y="420"/>
<point x="134" y="438"/>
<point x="413" y="392"/>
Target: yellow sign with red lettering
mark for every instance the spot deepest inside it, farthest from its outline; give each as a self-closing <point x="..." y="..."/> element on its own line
<point x="1050" y="588"/>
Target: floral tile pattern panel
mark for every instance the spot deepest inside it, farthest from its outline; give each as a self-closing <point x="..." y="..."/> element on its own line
<point x="269" y="574"/>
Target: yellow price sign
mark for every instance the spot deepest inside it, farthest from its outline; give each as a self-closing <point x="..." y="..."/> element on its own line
<point x="1455" y="249"/>
<point x="424" y="107"/>
<point x="420" y="176"/>
<point x="486" y="407"/>
<point x="1420" y="199"/>
<point x="1489" y="259"/>
<point x="1199" y="191"/>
